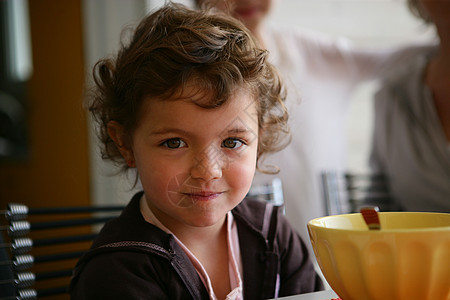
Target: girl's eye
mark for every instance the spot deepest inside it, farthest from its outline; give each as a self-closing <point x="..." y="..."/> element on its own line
<point x="232" y="143"/>
<point x="174" y="143"/>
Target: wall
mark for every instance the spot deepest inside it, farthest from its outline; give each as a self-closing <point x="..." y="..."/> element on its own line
<point x="103" y="25"/>
<point x="56" y="171"/>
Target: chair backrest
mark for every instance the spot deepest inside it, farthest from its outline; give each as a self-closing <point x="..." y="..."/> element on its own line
<point x="271" y="192"/>
<point x="347" y="192"/>
<point x="43" y="245"/>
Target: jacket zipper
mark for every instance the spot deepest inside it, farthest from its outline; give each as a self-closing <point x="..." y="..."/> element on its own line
<point x="169" y="254"/>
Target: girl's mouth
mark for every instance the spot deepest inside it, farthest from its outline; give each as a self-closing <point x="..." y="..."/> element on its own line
<point x="202" y="196"/>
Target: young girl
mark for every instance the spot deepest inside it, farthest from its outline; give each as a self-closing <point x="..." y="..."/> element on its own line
<point x="192" y="104"/>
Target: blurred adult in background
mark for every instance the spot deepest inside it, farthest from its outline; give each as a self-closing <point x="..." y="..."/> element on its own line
<point x="411" y="141"/>
<point x="320" y="73"/>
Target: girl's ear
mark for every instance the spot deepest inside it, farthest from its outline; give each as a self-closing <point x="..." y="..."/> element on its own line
<point x="117" y="134"/>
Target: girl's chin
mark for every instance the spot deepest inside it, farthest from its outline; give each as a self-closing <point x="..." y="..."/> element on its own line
<point x="206" y="220"/>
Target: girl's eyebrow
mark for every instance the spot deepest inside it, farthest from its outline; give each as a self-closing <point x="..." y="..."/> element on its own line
<point x="237" y="130"/>
<point x="179" y="131"/>
<point x="169" y="130"/>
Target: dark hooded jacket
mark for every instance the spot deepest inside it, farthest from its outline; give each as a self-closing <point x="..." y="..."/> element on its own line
<point x="133" y="259"/>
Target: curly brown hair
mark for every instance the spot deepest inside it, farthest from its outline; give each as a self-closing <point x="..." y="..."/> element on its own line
<point x="170" y="48"/>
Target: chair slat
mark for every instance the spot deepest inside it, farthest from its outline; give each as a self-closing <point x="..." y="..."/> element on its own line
<point x="27" y="274"/>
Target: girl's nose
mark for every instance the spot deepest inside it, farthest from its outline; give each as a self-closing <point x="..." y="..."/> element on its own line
<point x="207" y="165"/>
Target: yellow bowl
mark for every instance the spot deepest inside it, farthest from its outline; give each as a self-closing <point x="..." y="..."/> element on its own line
<point x="409" y="258"/>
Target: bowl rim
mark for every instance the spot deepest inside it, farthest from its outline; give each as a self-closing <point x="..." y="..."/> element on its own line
<point x="398" y="230"/>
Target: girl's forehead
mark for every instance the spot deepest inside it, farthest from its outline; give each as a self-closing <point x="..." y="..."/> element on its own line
<point x="192" y="94"/>
<point x="162" y="115"/>
<point x="207" y="97"/>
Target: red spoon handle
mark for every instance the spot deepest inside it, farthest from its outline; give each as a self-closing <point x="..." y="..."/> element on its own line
<point x="370" y="215"/>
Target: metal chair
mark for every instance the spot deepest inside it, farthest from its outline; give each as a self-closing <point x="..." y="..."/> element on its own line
<point x="271" y="192"/>
<point x="347" y="192"/>
<point x="43" y="245"/>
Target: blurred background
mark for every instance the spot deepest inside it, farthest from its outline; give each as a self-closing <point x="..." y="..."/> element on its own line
<point x="48" y="154"/>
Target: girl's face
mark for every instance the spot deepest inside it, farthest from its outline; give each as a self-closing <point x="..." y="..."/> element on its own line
<point x="250" y="12"/>
<point x="195" y="164"/>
